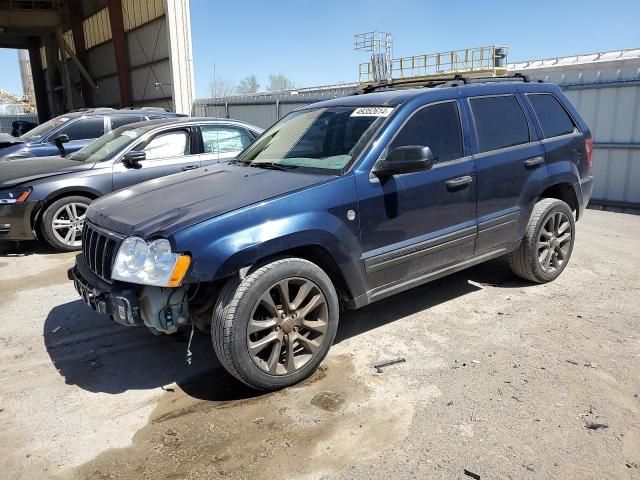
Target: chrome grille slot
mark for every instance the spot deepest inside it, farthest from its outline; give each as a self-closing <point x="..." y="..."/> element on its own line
<point x="99" y="250"/>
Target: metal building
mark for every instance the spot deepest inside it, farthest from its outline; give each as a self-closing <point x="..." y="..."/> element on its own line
<point x="604" y="87"/>
<point x="110" y="53"/>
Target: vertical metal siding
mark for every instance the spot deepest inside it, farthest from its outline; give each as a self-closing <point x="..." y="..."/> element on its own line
<point x="7" y="120"/>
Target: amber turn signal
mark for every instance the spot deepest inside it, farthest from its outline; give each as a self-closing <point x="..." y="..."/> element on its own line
<point x="179" y="271"/>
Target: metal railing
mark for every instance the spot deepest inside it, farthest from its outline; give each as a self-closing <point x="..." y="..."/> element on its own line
<point x="487" y="61"/>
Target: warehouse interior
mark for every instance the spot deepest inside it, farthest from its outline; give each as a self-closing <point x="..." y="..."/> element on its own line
<point x="103" y="53"/>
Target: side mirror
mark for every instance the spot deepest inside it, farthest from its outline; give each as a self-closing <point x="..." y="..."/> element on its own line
<point x="132" y="159"/>
<point x="60" y="139"/>
<point x="407" y="159"/>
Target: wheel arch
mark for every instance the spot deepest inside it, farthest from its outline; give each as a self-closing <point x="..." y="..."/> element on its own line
<point x="36" y="215"/>
<point x="564" y="191"/>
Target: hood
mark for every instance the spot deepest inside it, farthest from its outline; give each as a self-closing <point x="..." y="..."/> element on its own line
<point x="7" y="140"/>
<point x="26" y="170"/>
<point x="169" y="204"/>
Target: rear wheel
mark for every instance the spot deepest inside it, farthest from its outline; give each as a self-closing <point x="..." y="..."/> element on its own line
<point x="273" y="328"/>
<point x="548" y="242"/>
<point x="62" y="222"/>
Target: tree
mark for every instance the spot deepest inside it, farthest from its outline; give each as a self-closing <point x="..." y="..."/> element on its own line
<point x="248" y="84"/>
<point x="279" y="82"/>
<point x="221" y="87"/>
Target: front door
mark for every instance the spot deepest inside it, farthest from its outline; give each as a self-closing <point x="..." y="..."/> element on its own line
<point x="167" y="152"/>
<point x="416" y="223"/>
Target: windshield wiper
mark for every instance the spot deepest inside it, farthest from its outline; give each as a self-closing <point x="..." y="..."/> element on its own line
<point x="273" y="166"/>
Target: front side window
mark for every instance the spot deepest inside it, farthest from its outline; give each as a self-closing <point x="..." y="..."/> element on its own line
<point x="321" y="140"/>
<point x="165" y="145"/>
<point x="437" y="127"/>
<point x="553" y="118"/>
<point x="499" y="122"/>
<point x="224" y="139"/>
<point x="44" y="128"/>
<point x="84" y="128"/>
<point x="107" y="146"/>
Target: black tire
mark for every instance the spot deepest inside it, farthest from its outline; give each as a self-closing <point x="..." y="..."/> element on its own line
<point x="238" y="302"/>
<point x="48" y="217"/>
<point x="526" y="260"/>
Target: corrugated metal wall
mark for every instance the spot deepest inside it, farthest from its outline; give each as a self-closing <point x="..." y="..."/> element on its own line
<point x="159" y="57"/>
<point x="265" y="109"/>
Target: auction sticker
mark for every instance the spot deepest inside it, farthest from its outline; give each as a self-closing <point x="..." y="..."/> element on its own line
<point x="372" y="112"/>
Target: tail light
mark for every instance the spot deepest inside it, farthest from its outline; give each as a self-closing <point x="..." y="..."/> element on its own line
<point x="588" y="146"/>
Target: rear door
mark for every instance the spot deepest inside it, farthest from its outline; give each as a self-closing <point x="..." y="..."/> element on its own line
<point x="510" y="164"/>
<point x="222" y="143"/>
<point x="167" y="152"/>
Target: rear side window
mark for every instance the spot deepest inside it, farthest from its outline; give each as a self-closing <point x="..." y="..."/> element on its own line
<point x="84" y="128"/>
<point x="499" y="122"/>
<point x="552" y="116"/>
<point x="121" y="120"/>
<point x="437" y="127"/>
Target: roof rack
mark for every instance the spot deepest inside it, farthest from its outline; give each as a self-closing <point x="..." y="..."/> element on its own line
<point x="453" y="81"/>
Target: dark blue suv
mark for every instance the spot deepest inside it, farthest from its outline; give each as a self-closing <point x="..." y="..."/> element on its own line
<point x="340" y="204"/>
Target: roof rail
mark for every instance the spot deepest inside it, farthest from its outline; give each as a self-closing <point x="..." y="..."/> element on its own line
<point x="452" y="81"/>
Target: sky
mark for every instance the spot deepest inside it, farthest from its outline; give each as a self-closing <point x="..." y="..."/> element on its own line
<point x="311" y="42"/>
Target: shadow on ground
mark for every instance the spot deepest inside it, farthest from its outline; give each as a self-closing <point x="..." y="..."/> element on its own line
<point x="98" y="355"/>
<point x="24" y="248"/>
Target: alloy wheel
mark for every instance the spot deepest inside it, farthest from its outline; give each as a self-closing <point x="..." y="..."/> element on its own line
<point x="554" y="242"/>
<point x="287" y="326"/>
<point x="68" y="222"/>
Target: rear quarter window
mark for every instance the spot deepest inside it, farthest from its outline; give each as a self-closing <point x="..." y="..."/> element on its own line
<point x="554" y="119"/>
<point x="499" y="122"/>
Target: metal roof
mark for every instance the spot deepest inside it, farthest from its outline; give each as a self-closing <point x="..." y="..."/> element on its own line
<point x="629" y="53"/>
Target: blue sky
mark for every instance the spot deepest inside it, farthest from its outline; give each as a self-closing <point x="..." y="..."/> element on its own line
<point x="311" y="41"/>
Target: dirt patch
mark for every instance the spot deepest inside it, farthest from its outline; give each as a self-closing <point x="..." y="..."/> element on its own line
<point x="319" y="427"/>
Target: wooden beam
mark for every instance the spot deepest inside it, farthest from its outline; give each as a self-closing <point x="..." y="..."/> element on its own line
<point x="121" y="51"/>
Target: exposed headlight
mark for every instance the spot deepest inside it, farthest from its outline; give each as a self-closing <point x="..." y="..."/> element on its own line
<point x="150" y="263"/>
<point x="14" y="195"/>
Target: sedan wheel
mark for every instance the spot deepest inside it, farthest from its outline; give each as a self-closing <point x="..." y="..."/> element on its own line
<point x="63" y="220"/>
<point x="68" y="222"/>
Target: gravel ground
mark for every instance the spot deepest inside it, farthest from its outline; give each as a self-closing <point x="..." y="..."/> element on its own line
<point x="502" y="378"/>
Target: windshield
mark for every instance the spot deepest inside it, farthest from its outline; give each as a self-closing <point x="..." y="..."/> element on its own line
<point x="107" y="146"/>
<point x="322" y="140"/>
<point x="43" y="129"/>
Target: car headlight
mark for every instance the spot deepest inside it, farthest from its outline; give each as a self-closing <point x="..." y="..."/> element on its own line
<point x="149" y="263"/>
<point x="14" y="195"/>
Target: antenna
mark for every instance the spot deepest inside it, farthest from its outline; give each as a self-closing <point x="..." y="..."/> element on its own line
<point x="380" y="44"/>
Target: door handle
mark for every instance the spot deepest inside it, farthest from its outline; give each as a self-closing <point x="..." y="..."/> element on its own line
<point x="533" y="162"/>
<point x="189" y="167"/>
<point x="459" y="182"/>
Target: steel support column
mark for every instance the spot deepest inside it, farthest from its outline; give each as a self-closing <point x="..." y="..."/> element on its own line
<point x="121" y="52"/>
<point x="39" y="82"/>
<point x="81" y="53"/>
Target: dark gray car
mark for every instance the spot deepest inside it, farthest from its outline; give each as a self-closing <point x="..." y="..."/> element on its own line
<point x="47" y="197"/>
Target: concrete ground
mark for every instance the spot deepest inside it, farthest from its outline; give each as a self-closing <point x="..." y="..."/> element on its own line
<point x="502" y="378"/>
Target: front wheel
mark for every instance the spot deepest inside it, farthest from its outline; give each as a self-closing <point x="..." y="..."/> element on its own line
<point x="273" y="328"/>
<point x="62" y="222"/>
<point x="547" y="244"/>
